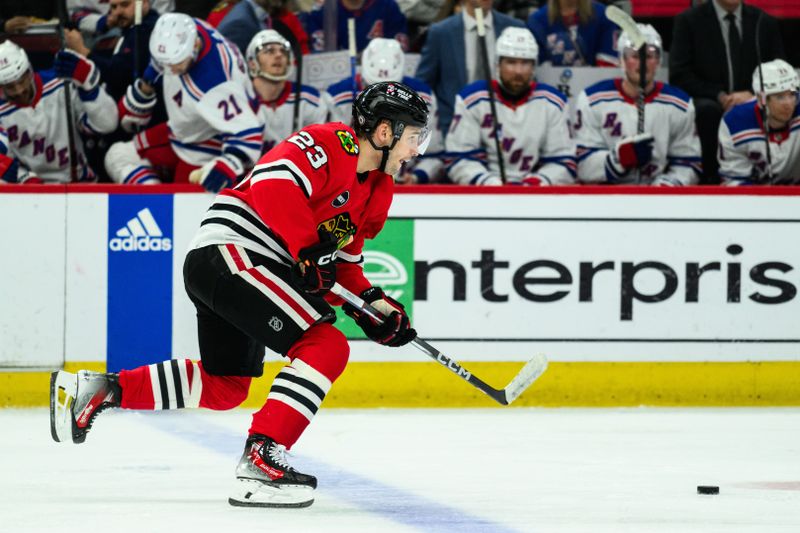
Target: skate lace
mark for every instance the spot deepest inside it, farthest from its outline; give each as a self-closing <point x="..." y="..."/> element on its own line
<point x="277" y="453"/>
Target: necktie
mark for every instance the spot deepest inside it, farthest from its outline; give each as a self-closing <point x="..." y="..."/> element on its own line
<point x="480" y="69"/>
<point x="735" y="49"/>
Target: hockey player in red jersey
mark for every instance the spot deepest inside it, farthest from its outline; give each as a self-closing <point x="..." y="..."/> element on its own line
<point x="259" y="271"/>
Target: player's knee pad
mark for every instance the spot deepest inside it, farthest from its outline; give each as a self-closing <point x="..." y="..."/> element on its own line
<point x="124" y="165"/>
<point x="324" y="348"/>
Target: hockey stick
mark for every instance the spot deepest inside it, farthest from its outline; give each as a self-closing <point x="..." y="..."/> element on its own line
<point x="485" y="59"/>
<point x="628" y="25"/>
<point x="63" y="19"/>
<point x="297" y="89"/>
<point x="762" y="99"/>
<point x="524" y="378"/>
<point x="137" y="39"/>
<point x="351" y="42"/>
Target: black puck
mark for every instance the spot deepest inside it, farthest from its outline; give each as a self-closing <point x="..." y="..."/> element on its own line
<point x="707" y="489"/>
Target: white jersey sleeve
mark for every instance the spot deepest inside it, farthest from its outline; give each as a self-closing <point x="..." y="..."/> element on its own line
<point x="95" y="110"/>
<point x="557" y="156"/>
<point x="683" y="156"/>
<point x="591" y="147"/>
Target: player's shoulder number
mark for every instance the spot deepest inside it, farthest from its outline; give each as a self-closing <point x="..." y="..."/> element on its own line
<point x="315" y="153"/>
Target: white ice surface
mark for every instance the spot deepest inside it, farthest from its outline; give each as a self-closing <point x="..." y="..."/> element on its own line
<point x="537" y="470"/>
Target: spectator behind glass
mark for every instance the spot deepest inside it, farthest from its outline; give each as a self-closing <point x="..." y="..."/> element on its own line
<point x="374" y="18"/>
<point x="574" y="33"/>
<point x="715" y="73"/>
<point x="248" y="17"/>
<point x="450" y="57"/>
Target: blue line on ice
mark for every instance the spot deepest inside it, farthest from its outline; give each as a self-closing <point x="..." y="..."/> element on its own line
<point x="389" y="502"/>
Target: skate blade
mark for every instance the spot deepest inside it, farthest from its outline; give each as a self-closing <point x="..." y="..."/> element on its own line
<point x="63" y="387"/>
<point x="253" y="493"/>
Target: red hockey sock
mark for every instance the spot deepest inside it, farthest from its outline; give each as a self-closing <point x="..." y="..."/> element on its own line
<point x="318" y="358"/>
<point x="180" y="383"/>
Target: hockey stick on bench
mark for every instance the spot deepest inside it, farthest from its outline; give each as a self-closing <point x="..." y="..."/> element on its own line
<point x="524" y="378"/>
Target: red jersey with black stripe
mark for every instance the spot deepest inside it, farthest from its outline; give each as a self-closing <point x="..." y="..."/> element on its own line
<point x="306" y="183"/>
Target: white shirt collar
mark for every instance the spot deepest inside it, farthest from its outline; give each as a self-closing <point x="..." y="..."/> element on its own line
<point x="470" y="23"/>
<point x="721" y="13"/>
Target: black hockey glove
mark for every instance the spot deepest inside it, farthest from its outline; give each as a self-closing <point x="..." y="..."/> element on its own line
<point x="315" y="270"/>
<point x="395" y="330"/>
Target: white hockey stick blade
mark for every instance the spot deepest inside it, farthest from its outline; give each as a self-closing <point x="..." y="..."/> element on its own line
<point x="525" y="378"/>
<point x="627" y="24"/>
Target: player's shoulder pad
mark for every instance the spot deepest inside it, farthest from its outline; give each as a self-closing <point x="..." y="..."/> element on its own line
<point x="602" y="91"/>
<point x="215" y="62"/>
<point x="345" y="85"/>
<point x="307" y="92"/>
<point x="335" y="136"/>
<point x="741" y="118"/>
<point x="471" y="90"/>
<point x="671" y="95"/>
<point x="417" y="84"/>
<point x="549" y="93"/>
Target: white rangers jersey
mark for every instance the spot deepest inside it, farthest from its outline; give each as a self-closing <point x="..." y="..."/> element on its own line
<point x="605" y="115"/>
<point x="209" y="108"/>
<point x="340" y="104"/>
<point x="38" y="134"/>
<point x="278" y="115"/>
<point x="743" y="152"/>
<point x="533" y="131"/>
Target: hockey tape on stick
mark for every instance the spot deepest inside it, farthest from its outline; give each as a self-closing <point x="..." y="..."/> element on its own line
<point x="524" y="378"/>
<point x="626" y="24"/>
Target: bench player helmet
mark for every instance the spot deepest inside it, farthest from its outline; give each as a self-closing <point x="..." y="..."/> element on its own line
<point x="259" y="41"/>
<point x="383" y="60"/>
<point x="517" y="43"/>
<point x="173" y="39"/>
<point x="396" y="103"/>
<point x="779" y="76"/>
<point x="651" y="37"/>
<point x="13" y="62"/>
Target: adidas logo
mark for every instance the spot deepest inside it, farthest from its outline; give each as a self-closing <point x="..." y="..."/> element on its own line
<point x="140" y="234"/>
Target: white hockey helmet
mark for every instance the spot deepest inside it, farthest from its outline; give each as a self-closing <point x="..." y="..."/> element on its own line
<point x="13" y="62"/>
<point x="382" y="60"/>
<point x="779" y="76"/>
<point x="259" y="41"/>
<point x="516" y="43"/>
<point x="173" y="39"/>
<point x="651" y="37"/>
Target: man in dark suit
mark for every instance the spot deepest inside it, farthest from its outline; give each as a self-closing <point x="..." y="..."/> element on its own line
<point x="713" y="57"/>
<point x="450" y="58"/>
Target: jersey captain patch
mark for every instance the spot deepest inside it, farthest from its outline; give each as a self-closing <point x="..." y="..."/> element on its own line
<point x="348" y="142"/>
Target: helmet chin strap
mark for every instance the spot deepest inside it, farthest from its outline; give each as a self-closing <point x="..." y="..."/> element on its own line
<point x="385" y="150"/>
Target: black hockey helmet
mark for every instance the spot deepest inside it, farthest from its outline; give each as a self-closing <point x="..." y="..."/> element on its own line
<point x="396" y="103"/>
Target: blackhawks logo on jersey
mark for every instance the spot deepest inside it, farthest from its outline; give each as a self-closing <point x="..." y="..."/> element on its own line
<point x="348" y="142"/>
<point x="341" y="226"/>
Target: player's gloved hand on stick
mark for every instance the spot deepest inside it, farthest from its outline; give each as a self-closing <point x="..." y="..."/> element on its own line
<point x="632" y="152"/>
<point x="69" y="64"/>
<point x="396" y="328"/>
<point x="315" y="270"/>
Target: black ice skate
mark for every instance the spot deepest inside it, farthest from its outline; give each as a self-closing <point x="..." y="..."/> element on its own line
<point x="76" y="399"/>
<point x="265" y="479"/>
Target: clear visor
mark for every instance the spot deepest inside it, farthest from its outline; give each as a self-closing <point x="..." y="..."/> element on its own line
<point x="653" y="52"/>
<point x="420" y="139"/>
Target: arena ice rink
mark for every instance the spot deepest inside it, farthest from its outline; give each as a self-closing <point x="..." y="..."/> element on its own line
<point x="385" y="470"/>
